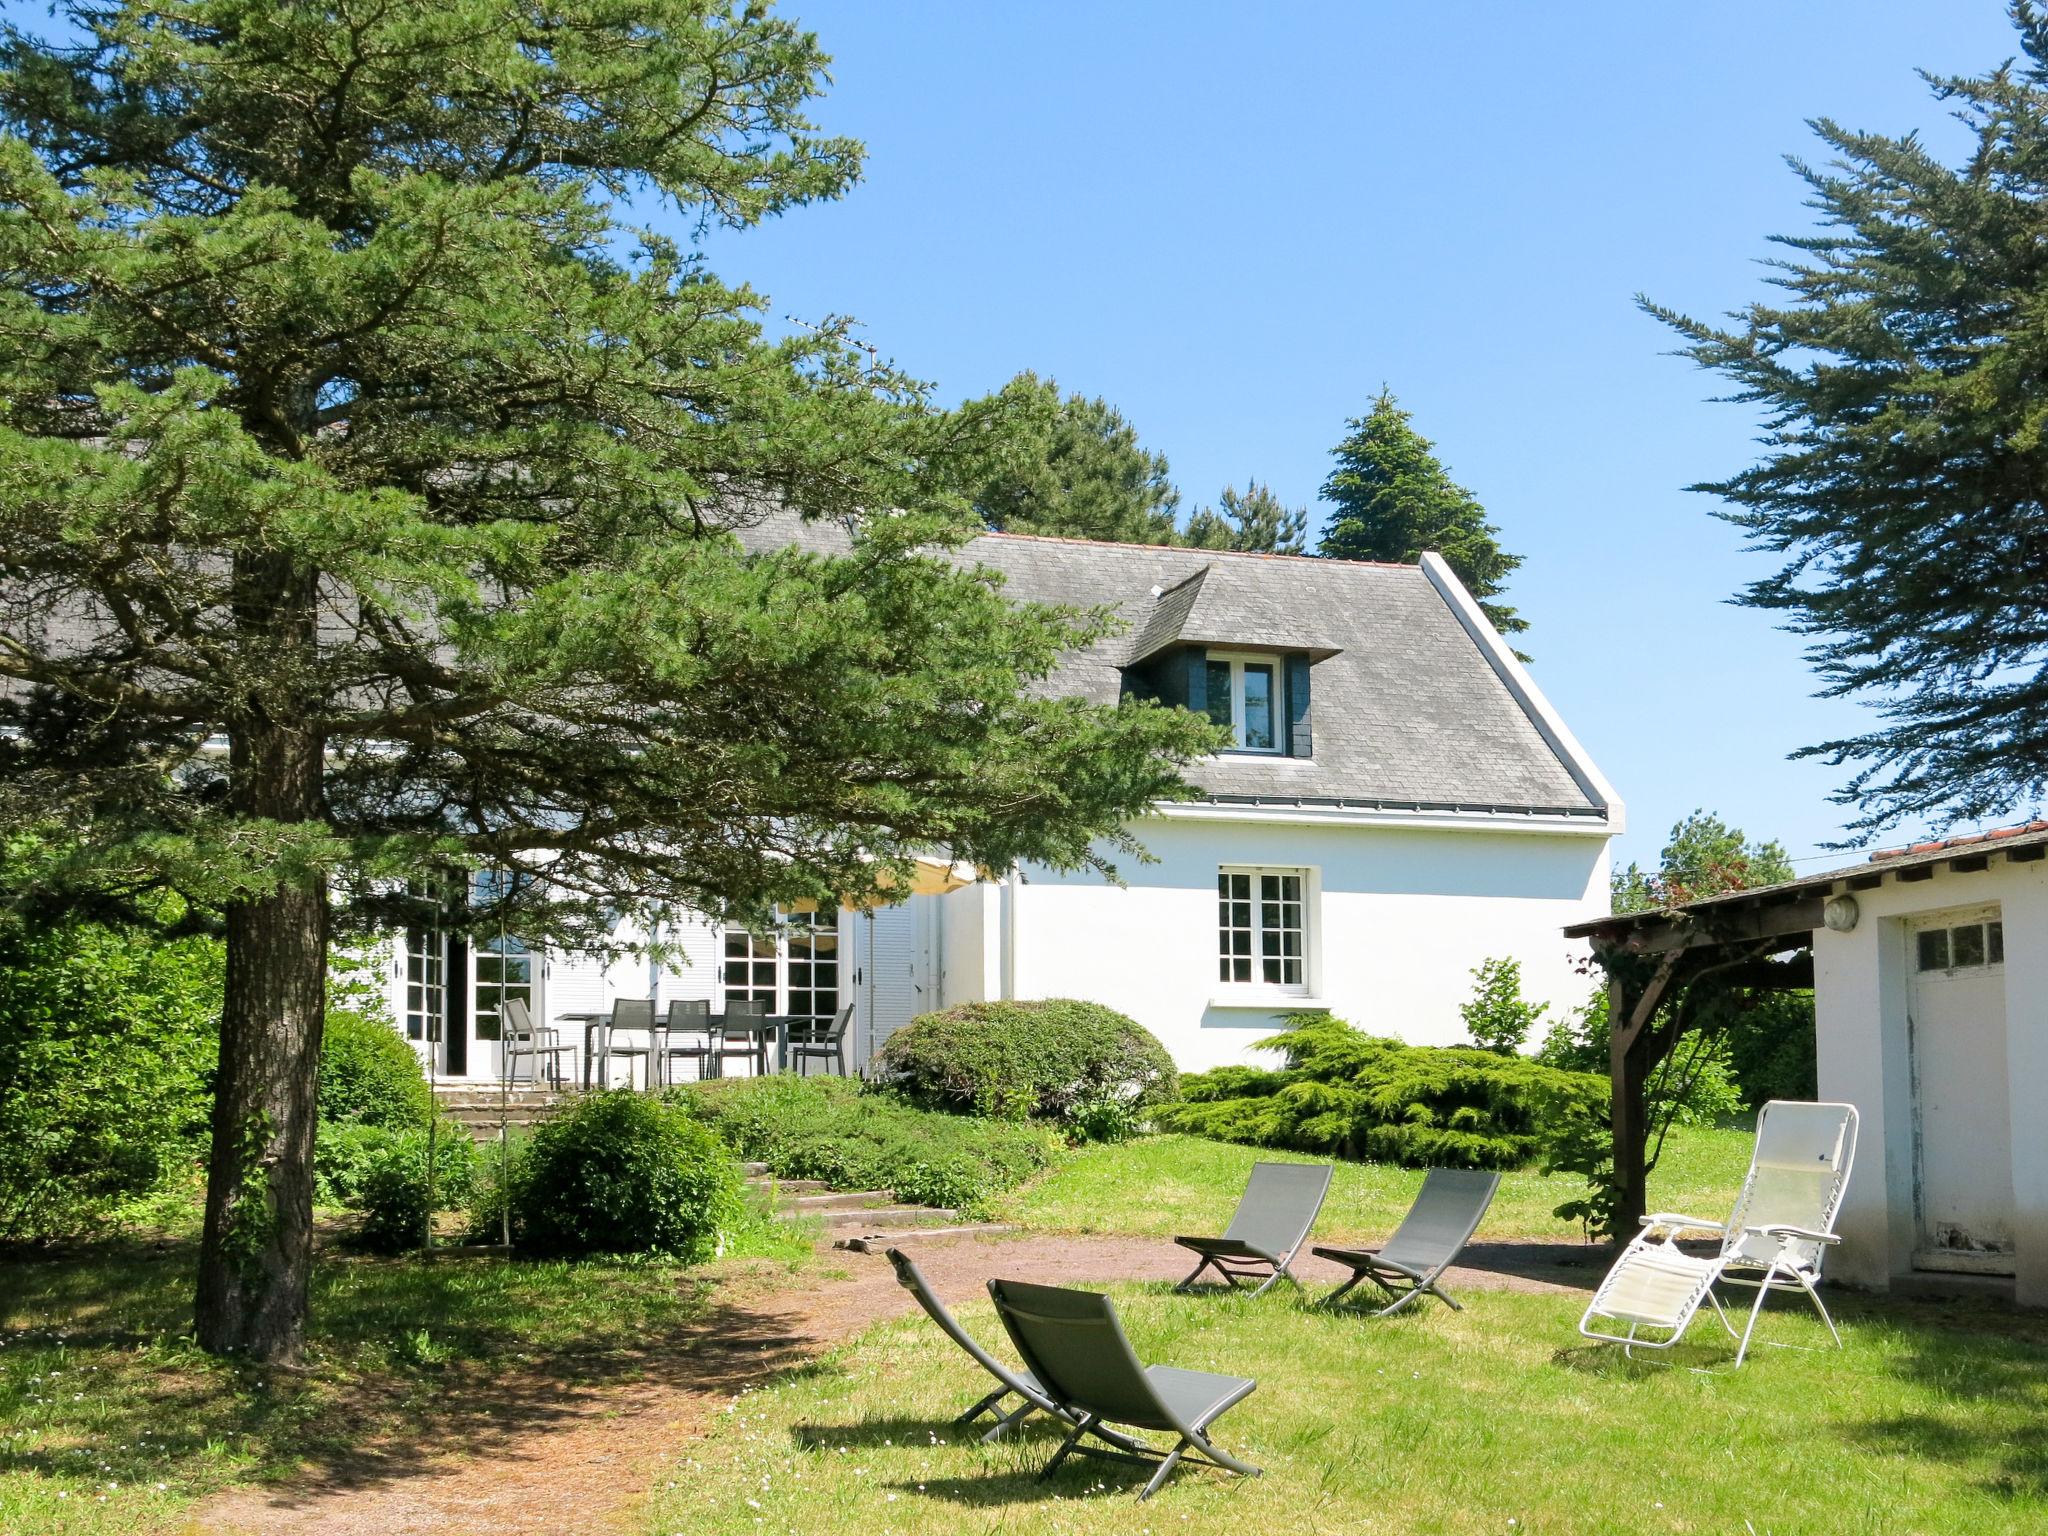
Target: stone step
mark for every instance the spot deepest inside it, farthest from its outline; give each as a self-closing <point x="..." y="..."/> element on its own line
<point x="837" y="1200"/>
<point x="770" y="1186"/>
<point x="877" y="1241"/>
<point x="881" y="1218"/>
<point x="754" y="1170"/>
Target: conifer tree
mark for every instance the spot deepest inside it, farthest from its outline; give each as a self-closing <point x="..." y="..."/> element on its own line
<point x="368" y="510"/>
<point x="1906" y="463"/>
<point x="1392" y="499"/>
<point x="1075" y="469"/>
<point x="1253" y="521"/>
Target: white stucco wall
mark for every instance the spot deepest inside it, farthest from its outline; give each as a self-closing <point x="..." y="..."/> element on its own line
<point x="1400" y="917"/>
<point x="1861" y="991"/>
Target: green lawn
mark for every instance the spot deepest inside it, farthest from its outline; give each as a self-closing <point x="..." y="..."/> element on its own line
<point x="1497" y="1420"/>
<point x="1160" y="1185"/>
<point x="112" y="1421"/>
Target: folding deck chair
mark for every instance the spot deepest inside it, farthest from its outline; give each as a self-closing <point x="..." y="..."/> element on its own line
<point x="1782" y="1224"/>
<point x="1431" y="1236"/>
<point x="1078" y="1354"/>
<point x="1272" y="1221"/>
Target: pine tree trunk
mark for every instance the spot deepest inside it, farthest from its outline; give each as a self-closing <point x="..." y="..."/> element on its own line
<point x="255" y="1258"/>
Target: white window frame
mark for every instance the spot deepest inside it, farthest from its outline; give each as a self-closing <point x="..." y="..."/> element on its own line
<point x="1310" y="909"/>
<point x="1237" y="662"/>
<point x="782" y="960"/>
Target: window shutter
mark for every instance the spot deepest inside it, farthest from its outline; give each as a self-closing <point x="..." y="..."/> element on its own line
<point x="1194" y="665"/>
<point x="1300" y="733"/>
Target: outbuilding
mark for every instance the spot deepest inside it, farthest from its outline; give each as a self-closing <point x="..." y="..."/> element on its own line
<point x="1929" y="966"/>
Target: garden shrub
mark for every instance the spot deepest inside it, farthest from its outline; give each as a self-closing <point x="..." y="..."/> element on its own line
<point x="1013" y="1060"/>
<point x="851" y="1137"/>
<point x="369" y="1075"/>
<point x="624" y="1173"/>
<point x="383" y="1174"/>
<point x="108" y="1038"/>
<point x="1348" y="1094"/>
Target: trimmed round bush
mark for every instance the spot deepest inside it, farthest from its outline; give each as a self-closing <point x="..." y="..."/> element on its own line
<point x="369" y="1075"/>
<point x="624" y="1173"/>
<point x="1011" y="1060"/>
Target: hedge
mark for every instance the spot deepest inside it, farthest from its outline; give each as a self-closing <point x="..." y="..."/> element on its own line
<point x="833" y="1129"/>
<point x="1348" y="1094"/>
<point x="1012" y="1060"/>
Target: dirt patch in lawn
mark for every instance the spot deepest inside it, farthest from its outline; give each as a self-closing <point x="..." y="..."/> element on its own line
<point x="549" y="1454"/>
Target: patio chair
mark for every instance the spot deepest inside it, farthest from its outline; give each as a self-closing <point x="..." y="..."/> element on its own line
<point x="751" y="1044"/>
<point x="1435" y="1231"/>
<point x="1078" y="1355"/>
<point x="828" y="1044"/>
<point x="1782" y="1224"/>
<point x="637" y="1015"/>
<point x="519" y="1037"/>
<point x="1272" y="1221"/>
<point x="1020" y="1384"/>
<point x="687" y="1018"/>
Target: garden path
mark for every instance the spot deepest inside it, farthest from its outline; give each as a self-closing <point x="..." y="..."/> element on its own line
<point x="541" y="1455"/>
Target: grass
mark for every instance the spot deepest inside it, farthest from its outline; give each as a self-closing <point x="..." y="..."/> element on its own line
<point x="1499" y="1419"/>
<point x="1159" y="1185"/>
<point x="111" y="1420"/>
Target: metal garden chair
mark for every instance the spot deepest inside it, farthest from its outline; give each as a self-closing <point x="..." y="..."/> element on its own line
<point x="686" y="1017"/>
<point x="1435" y="1231"/>
<point x="828" y="1044"/>
<point x="1079" y="1357"/>
<point x="1272" y="1221"/>
<point x="1782" y="1225"/>
<point x="520" y="1037"/>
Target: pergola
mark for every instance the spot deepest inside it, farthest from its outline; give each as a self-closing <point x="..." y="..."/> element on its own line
<point x="1661" y="964"/>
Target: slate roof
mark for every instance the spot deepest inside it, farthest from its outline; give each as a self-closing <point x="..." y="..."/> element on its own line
<point x="1408" y="711"/>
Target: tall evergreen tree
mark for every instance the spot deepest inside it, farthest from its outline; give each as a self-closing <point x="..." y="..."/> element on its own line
<point x="1254" y="521"/>
<point x="1075" y="469"/>
<point x="1906" y="463"/>
<point x="1392" y="499"/>
<point x="367" y="498"/>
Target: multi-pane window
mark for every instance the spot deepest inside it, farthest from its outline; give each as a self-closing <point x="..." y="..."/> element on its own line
<point x="1262" y="928"/>
<point x="1242" y="696"/>
<point x="504" y="971"/>
<point x="1961" y="946"/>
<point x="426" y="983"/>
<point x="794" y="969"/>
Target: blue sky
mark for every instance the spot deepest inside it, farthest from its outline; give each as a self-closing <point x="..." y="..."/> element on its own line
<point x="1237" y="222"/>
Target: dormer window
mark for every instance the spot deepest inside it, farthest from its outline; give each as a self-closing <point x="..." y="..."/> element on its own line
<point x="1243" y="695"/>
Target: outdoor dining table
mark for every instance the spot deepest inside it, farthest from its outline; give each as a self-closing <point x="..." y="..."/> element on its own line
<point x="593" y="1051"/>
<point x="766" y="1028"/>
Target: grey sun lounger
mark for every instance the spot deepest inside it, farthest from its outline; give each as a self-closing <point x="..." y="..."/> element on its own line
<point x="1272" y="1221"/>
<point x="1031" y="1397"/>
<point x="1079" y="1356"/>
<point x="1431" y="1236"/>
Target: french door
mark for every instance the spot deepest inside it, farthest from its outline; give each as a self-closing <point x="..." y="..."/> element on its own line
<point x="436" y="991"/>
<point x="794" y="968"/>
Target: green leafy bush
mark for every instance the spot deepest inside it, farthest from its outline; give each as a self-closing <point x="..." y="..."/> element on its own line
<point x="107" y="1044"/>
<point x="1019" y="1059"/>
<point x="368" y="1074"/>
<point x="852" y="1137"/>
<point x="1698" y="1085"/>
<point x="1349" y="1094"/>
<point x="346" y="1152"/>
<point x="623" y="1173"/>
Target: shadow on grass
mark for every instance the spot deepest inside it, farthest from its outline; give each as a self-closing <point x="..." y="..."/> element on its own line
<point x="1989" y="1366"/>
<point x="491" y="1354"/>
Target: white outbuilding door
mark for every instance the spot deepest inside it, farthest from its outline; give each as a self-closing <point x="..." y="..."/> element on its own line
<point x="1961" y="1108"/>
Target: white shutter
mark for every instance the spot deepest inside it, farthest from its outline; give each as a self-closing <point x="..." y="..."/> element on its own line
<point x="895" y="976"/>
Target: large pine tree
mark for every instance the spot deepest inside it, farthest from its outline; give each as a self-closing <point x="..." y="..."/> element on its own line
<point x="1900" y="379"/>
<point x="1251" y="521"/>
<point x="366" y="505"/>
<point x="1076" y="469"/>
<point x="1392" y="499"/>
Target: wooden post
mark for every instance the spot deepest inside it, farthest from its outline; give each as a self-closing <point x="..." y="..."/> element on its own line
<point x="1630" y="1074"/>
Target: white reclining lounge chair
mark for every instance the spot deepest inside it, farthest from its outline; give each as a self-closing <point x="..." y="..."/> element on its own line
<point x="1783" y="1222"/>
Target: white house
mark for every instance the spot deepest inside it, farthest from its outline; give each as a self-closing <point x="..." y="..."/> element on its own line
<point x="1401" y="804"/>
<point x="1930" y="978"/>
